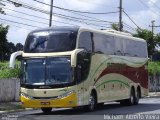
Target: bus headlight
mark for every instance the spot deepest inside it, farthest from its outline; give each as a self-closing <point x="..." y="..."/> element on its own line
<point x="66" y="94"/>
<point x="27" y="96"/>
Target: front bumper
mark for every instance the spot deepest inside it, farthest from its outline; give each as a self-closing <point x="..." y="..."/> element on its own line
<point x="65" y="102"/>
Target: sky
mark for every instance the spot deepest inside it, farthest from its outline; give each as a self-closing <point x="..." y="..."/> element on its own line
<point x="23" y="20"/>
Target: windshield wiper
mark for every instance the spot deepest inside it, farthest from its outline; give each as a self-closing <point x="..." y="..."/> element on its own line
<point x="38" y="44"/>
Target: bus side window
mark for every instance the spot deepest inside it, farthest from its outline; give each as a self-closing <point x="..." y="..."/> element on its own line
<point x="85" y="41"/>
<point x="127" y="48"/>
<point x="104" y="44"/>
<point x="119" y="46"/>
<point x="84" y="57"/>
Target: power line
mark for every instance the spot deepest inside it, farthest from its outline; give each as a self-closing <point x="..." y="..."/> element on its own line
<point x="74" y="10"/>
<point x="36" y="16"/>
<point x="76" y="20"/>
<point x="19" y="23"/>
<point x="14" y="25"/>
<point x="62" y="16"/>
<point x="155" y="5"/>
<point x="46" y="12"/>
<point x="125" y="26"/>
<point x="131" y="19"/>
<point x="142" y="2"/>
<point x="128" y="26"/>
<point x="59" y="15"/>
<point x="25" y="19"/>
<point x="78" y="13"/>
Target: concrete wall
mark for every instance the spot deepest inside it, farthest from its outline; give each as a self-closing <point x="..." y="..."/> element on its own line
<point x="154" y="83"/>
<point x="9" y="90"/>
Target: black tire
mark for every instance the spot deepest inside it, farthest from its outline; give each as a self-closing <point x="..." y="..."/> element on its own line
<point x="46" y="110"/>
<point x="100" y="105"/>
<point x="123" y="102"/>
<point x="92" y="102"/>
<point x="131" y="100"/>
<point x="137" y="96"/>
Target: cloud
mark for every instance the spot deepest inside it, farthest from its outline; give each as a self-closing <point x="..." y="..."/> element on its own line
<point x="152" y="2"/>
<point x="17" y="35"/>
<point x="82" y="5"/>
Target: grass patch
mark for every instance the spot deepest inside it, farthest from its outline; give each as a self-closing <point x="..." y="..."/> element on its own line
<point x="6" y="72"/>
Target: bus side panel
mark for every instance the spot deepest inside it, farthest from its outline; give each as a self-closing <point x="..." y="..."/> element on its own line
<point x="113" y="77"/>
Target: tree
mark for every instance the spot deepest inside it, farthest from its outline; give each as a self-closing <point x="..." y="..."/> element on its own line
<point x="19" y="46"/>
<point x="115" y="26"/>
<point x="4" y="49"/>
<point x="12" y="47"/>
<point x="152" y="41"/>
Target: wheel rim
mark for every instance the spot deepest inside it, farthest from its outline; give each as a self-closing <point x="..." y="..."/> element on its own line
<point x="92" y="103"/>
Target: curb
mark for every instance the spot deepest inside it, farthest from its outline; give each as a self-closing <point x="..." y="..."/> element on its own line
<point x="153" y="96"/>
<point x="18" y="110"/>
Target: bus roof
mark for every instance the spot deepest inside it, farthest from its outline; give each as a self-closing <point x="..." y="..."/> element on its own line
<point x="113" y="33"/>
<point x="74" y="28"/>
<point x="108" y="32"/>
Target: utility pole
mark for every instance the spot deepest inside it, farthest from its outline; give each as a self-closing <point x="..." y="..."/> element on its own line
<point x="153" y="26"/>
<point x="152" y="40"/>
<point x="51" y="13"/>
<point x="120" y="16"/>
<point x="153" y="21"/>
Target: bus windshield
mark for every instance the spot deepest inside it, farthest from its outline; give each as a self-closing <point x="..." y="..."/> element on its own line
<point x="50" y="41"/>
<point x="47" y="71"/>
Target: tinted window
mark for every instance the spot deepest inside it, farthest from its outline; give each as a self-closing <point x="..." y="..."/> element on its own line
<point x="50" y="41"/>
<point x="47" y="71"/>
<point x="85" y="41"/>
<point x="128" y="48"/>
<point x="135" y="48"/>
<point x="104" y="43"/>
<point x="141" y="49"/>
<point x="119" y="46"/>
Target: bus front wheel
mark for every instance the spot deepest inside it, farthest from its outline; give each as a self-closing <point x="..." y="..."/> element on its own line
<point x="92" y="102"/>
<point x="46" y="110"/>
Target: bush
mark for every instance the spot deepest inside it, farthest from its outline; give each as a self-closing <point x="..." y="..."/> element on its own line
<point x="6" y="72"/>
<point x="154" y="68"/>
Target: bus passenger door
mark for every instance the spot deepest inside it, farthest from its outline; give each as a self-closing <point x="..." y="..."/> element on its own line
<point x="83" y="67"/>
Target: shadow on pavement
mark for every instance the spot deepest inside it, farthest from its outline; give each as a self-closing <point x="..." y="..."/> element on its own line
<point x="115" y="109"/>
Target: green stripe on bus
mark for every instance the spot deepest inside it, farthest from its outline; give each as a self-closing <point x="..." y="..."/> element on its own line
<point x="63" y="90"/>
<point x="110" y="81"/>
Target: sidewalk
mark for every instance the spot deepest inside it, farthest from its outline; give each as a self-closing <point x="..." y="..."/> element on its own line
<point x="154" y="94"/>
<point x="6" y="107"/>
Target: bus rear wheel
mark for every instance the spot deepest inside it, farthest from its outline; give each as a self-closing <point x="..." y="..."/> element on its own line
<point x="46" y="110"/>
<point x="137" y="96"/>
<point x="131" y="100"/>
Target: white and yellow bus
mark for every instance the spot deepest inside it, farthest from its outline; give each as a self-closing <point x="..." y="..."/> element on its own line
<point x="68" y="67"/>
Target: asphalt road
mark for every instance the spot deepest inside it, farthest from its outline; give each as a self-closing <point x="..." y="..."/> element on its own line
<point x="148" y="108"/>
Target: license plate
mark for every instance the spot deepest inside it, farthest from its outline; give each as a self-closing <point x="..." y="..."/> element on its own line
<point x="45" y="103"/>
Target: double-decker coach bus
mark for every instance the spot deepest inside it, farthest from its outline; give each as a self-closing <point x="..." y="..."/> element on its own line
<point x="68" y="67"/>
